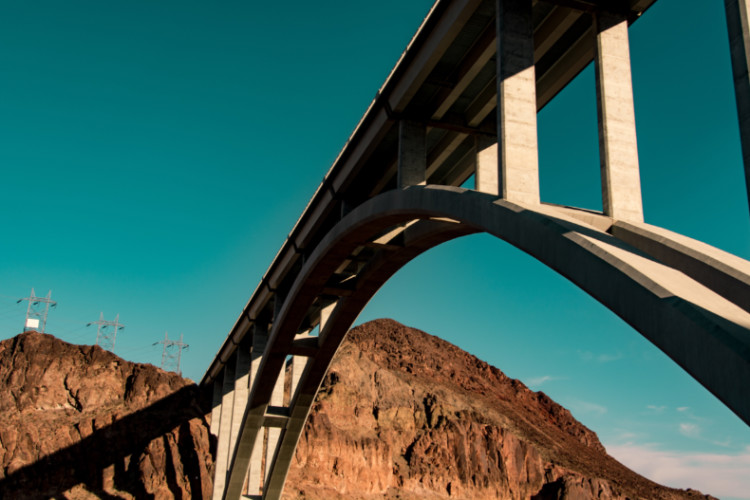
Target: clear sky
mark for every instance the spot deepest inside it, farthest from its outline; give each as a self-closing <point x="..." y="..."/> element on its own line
<point x="154" y="156"/>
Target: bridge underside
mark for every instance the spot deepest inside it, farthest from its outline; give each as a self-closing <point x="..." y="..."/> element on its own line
<point x="462" y="101"/>
<point x="671" y="289"/>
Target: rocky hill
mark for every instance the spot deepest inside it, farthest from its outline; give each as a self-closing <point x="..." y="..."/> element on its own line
<point x="401" y="414"/>
<point x="78" y="422"/>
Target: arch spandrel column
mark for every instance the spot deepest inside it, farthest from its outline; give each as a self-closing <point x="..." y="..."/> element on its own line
<point x="518" y="151"/>
<point x="227" y="410"/>
<point x="216" y="407"/>
<point x="618" y="147"/>
<point x="260" y="338"/>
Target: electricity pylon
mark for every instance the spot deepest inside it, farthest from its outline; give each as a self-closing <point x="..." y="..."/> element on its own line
<point x="171" y="353"/>
<point x="37" y="310"/>
<point x="106" y="331"/>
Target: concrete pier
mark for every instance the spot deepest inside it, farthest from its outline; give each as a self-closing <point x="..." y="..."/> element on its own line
<point x="222" y="447"/>
<point x="518" y="154"/>
<point x="241" y="390"/>
<point x="487" y="178"/>
<point x="216" y="407"/>
<point x="412" y="156"/>
<point x="260" y="339"/>
<point x="618" y="147"/>
<point x="277" y="399"/>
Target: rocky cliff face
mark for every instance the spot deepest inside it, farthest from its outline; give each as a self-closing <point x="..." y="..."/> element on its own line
<point x="79" y="422"/>
<point x="403" y="414"/>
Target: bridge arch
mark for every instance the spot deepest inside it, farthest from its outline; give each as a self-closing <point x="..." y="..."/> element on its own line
<point x="700" y="320"/>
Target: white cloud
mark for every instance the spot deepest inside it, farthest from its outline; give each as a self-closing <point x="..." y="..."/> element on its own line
<point x="683" y="408"/>
<point x="599" y="358"/>
<point x="657" y="409"/>
<point x="690" y="430"/>
<point x="586" y="355"/>
<point x="537" y="381"/>
<point x="586" y="407"/>
<point x="606" y="358"/>
<point x="722" y="475"/>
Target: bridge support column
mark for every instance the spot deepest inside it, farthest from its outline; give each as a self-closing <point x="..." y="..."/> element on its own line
<point x="225" y="426"/>
<point x="738" y="27"/>
<point x="518" y="154"/>
<point x="486" y="178"/>
<point x="298" y="366"/>
<point x="217" y="394"/>
<point x="325" y="313"/>
<point x="260" y="338"/>
<point x="618" y="147"/>
<point x="412" y="156"/>
<point x="274" y="433"/>
<point x="241" y="389"/>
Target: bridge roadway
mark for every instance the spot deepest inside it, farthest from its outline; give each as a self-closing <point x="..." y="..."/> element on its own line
<point x="462" y="101"/>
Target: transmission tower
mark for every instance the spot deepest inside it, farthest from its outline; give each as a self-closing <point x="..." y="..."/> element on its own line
<point x="106" y="331"/>
<point x="37" y="310"/>
<point x="171" y="353"/>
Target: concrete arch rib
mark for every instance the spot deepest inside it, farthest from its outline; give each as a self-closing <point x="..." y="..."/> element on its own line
<point x="704" y="333"/>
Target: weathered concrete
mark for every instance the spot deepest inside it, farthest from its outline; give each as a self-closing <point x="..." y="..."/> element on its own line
<point x="254" y="469"/>
<point x="702" y="331"/>
<point x="486" y="178"/>
<point x="298" y="366"/>
<point x="277" y="399"/>
<point x="412" y="156"/>
<point x="222" y="447"/>
<point x="688" y="300"/>
<point x="241" y="389"/>
<point x="738" y="27"/>
<point x="516" y="103"/>
<point x="216" y="394"/>
<point x="722" y="272"/>
<point x="618" y="148"/>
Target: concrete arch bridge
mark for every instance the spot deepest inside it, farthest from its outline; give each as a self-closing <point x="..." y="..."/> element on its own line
<point x="461" y="102"/>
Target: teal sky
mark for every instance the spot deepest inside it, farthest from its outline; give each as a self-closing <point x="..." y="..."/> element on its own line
<point x="154" y="156"/>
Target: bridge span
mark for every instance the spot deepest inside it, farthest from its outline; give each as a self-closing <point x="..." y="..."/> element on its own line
<point x="462" y="101"/>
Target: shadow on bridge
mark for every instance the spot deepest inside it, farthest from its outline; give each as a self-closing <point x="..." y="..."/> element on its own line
<point x="112" y="457"/>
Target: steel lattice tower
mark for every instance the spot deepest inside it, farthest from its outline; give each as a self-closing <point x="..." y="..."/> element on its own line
<point x="106" y="331"/>
<point x="36" y="312"/>
<point x="171" y="354"/>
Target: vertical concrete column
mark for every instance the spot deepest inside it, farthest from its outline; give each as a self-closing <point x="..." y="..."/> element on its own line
<point x="260" y="338"/>
<point x="274" y="433"/>
<point x="217" y="394"/>
<point x="516" y="103"/>
<point x="298" y="366"/>
<point x="225" y="429"/>
<point x="241" y="388"/>
<point x="486" y="178"/>
<point x="412" y="155"/>
<point x="618" y="147"/>
<point x="738" y="27"/>
<point x="325" y="313"/>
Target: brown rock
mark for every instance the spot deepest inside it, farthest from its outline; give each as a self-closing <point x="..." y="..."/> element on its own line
<point x="79" y="422"/>
<point x="402" y="414"/>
